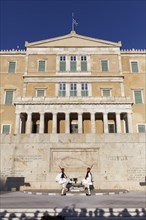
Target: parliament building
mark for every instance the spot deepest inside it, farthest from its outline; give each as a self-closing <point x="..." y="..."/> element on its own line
<point x="74" y="101"/>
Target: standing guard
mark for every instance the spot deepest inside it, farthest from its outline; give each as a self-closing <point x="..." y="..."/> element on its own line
<point x="61" y="178"/>
<point x="88" y="182"/>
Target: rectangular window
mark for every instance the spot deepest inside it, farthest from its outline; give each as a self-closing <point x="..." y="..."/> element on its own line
<point x="83" y="63"/>
<point x="134" y="66"/>
<point x="106" y="92"/>
<point x="40" y="92"/>
<point x="73" y="64"/>
<point x="141" y="128"/>
<point x="104" y="65"/>
<point x="73" y="89"/>
<point x="42" y="65"/>
<point x="138" y="96"/>
<point x="62" y="89"/>
<point x="111" y="128"/>
<point x="84" y="89"/>
<point x="62" y="66"/>
<point x="8" y="97"/>
<point x="12" y="67"/>
<point x="6" y="129"/>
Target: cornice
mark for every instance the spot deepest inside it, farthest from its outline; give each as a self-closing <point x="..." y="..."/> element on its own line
<point x="13" y="52"/>
<point x="73" y="101"/>
<point x="133" y="51"/>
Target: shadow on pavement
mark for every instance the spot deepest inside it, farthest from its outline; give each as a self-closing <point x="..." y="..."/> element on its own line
<point x="68" y="213"/>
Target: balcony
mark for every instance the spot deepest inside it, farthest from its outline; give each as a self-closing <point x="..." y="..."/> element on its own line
<point x="72" y="100"/>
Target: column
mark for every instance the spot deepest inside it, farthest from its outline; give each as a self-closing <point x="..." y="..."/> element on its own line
<point x="93" y="130"/>
<point x="67" y="63"/>
<point x="54" y="124"/>
<point x="41" y="131"/>
<point x="17" y="123"/>
<point x="67" y="123"/>
<point x="105" y="122"/>
<point x="80" y="126"/>
<point x="118" y="123"/>
<point x="29" y="123"/>
<point x="129" y="118"/>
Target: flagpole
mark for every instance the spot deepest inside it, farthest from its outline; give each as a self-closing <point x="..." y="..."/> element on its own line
<point x="72" y="22"/>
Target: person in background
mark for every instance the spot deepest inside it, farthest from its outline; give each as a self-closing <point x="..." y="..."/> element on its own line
<point x="87" y="182"/>
<point x="61" y="178"/>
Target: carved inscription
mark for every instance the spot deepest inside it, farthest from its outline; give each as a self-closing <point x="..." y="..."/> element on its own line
<point x="27" y="158"/>
<point x="19" y="165"/>
<point x="136" y="174"/>
<point x="119" y="158"/>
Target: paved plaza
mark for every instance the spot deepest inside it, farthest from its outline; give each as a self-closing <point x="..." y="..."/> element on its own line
<point x="131" y="205"/>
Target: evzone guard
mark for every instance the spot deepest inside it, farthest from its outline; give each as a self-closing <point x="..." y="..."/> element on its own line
<point x="87" y="182"/>
<point x="61" y="178"/>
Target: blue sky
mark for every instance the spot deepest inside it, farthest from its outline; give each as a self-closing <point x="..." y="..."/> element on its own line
<point x="34" y="20"/>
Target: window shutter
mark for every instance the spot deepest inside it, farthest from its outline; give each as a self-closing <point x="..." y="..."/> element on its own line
<point x="62" y="66"/>
<point x="106" y="92"/>
<point x="141" y="128"/>
<point x="40" y="93"/>
<point x="138" y="97"/>
<point x="12" y="66"/>
<point x="104" y="65"/>
<point x="6" y="129"/>
<point x="83" y="66"/>
<point x="134" y="67"/>
<point x="9" y="97"/>
<point x="73" y="67"/>
<point x="42" y="66"/>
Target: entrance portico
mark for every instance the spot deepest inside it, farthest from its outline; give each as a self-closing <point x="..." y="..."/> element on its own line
<point x="69" y="115"/>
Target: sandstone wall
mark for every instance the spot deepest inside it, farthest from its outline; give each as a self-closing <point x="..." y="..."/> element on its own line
<point x="118" y="159"/>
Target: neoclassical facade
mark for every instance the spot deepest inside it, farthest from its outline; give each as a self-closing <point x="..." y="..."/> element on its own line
<point x="73" y="101"/>
<point x="73" y="84"/>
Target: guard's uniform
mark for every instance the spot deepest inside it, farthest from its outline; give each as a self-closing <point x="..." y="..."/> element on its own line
<point x="87" y="182"/>
<point x="61" y="178"/>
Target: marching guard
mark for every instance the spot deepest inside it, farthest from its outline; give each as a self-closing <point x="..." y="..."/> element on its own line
<point x="61" y="178"/>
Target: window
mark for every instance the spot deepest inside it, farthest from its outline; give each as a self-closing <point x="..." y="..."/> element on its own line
<point x="83" y="63"/>
<point x="73" y="65"/>
<point x="141" y="128"/>
<point x="40" y="92"/>
<point x="84" y="89"/>
<point x="8" y="97"/>
<point x="12" y="67"/>
<point x="73" y="89"/>
<point x="104" y="65"/>
<point x="111" y="128"/>
<point x="62" y="66"/>
<point x="106" y="92"/>
<point x="5" y="129"/>
<point x="42" y="65"/>
<point x="62" y="89"/>
<point x="134" y="66"/>
<point x="138" y="97"/>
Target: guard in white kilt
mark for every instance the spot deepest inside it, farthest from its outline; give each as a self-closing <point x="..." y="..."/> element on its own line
<point x="87" y="182"/>
<point x="61" y="178"/>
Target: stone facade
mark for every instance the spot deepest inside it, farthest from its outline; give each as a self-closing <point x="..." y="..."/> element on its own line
<point x="73" y="88"/>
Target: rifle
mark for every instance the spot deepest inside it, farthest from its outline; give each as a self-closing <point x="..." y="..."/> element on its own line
<point x="91" y="166"/>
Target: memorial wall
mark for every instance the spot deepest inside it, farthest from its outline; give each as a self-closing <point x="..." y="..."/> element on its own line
<point x="118" y="160"/>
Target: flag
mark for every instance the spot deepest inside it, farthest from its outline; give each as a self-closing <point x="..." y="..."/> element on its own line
<point x="74" y="22"/>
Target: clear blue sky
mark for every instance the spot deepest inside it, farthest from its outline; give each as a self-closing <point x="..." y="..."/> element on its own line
<point x="34" y="20"/>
